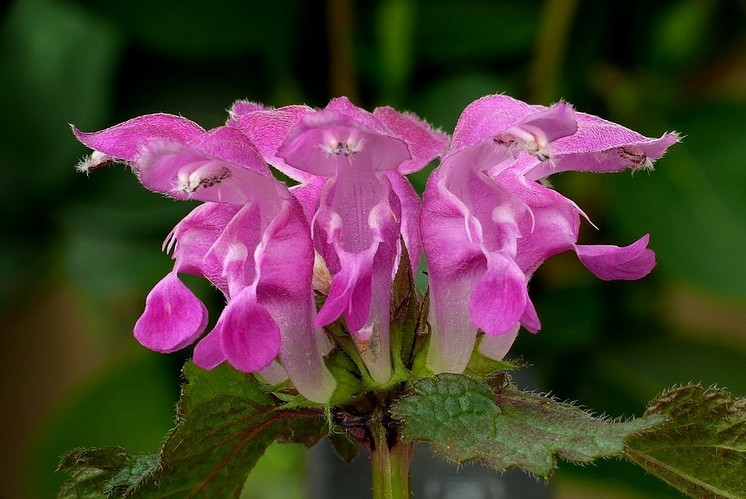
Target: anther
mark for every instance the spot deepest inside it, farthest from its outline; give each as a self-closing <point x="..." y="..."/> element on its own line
<point x="527" y="138"/>
<point x="190" y="182"/>
<point x="337" y="147"/>
<point x="637" y="157"/>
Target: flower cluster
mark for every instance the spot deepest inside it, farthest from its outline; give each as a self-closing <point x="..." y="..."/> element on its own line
<point x="486" y="221"/>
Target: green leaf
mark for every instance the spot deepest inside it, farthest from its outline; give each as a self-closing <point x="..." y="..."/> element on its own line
<point x="405" y="316"/>
<point x="464" y="420"/>
<point x="701" y="447"/>
<point x="306" y="430"/>
<point x="202" y="386"/>
<point x="482" y="367"/>
<point x="108" y="470"/>
<point x="344" y="446"/>
<point x="350" y="381"/>
<point x="225" y="421"/>
<point x="419" y="368"/>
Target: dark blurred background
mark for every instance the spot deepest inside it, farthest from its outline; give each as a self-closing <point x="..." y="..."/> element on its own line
<point x="78" y="255"/>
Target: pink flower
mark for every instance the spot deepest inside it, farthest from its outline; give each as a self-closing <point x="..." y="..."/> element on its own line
<point x="240" y="239"/>
<point x="351" y="165"/>
<point x="487" y="222"/>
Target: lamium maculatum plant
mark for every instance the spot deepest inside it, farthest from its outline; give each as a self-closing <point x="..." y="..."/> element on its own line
<point x="324" y="334"/>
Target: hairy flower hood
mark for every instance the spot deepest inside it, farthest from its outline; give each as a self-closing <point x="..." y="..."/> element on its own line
<point x="238" y="239"/>
<point x="487" y="222"/>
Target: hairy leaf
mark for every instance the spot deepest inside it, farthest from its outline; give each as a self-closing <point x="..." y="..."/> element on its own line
<point x="225" y="421"/>
<point x="482" y="367"/>
<point x="306" y="430"/>
<point x="464" y="420"/>
<point x="701" y="448"/>
<point x="110" y="471"/>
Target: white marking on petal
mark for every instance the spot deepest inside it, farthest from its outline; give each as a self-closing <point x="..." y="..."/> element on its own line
<point x="502" y="214"/>
<point x="237" y="252"/>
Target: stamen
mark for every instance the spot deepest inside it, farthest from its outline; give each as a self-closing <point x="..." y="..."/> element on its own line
<point x="222" y="174"/>
<point x="527" y="138"/>
<point x="637" y="156"/>
<point x="188" y="182"/>
<point x="347" y="147"/>
<point x="322" y="278"/>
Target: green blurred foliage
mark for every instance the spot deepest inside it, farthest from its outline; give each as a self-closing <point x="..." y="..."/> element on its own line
<point x="653" y="66"/>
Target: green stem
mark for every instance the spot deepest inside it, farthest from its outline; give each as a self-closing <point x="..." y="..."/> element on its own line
<point x="390" y="466"/>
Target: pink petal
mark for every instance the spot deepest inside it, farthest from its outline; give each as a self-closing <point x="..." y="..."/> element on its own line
<point x="308" y="195"/>
<point x="302" y="352"/>
<point x="325" y="142"/>
<point x="274" y="373"/>
<point x="530" y="319"/>
<point x="249" y="337"/>
<point x="173" y="317"/>
<point x="410" y="213"/>
<point x="213" y="169"/>
<point x="285" y="291"/>
<point x="229" y="144"/>
<point x="208" y="353"/>
<point x="234" y="251"/>
<point x="424" y="143"/>
<point x="267" y="129"/>
<point x="496" y="347"/>
<point x="555" y="222"/>
<point x="500" y="296"/>
<point x="240" y="108"/>
<point x="452" y="334"/>
<point x="345" y="107"/>
<point x="350" y="293"/>
<point x="603" y="146"/>
<point x="455" y="265"/>
<point x="124" y="140"/>
<point x="491" y="115"/>
<point x="613" y="262"/>
<point x="285" y="258"/>
<point x="374" y="336"/>
<point x="193" y="237"/>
